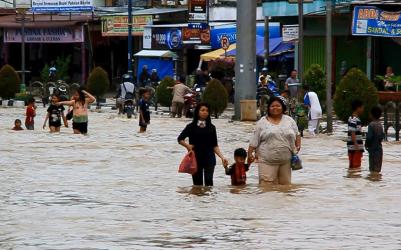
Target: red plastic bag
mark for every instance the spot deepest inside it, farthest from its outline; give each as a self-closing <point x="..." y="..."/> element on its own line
<point x="188" y="164"/>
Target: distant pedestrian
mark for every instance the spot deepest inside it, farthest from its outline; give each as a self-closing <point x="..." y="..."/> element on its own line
<point x="144" y="76"/>
<point x="154" y="78"/>
<point x="355" y="142"/>
<point x="202" y="137"/>
<point x="17" y="125"/>
<point x="373" y="143"/>
<point x="293" y="79"/>
<point x="311" y="100"/>
<point x="30" y="114"/>
<point x="80" y="102"/>
<point x="54" y="115"/>
<point x="388" y="82"/>
<point x="144" y="110"/>
<point x="179" y="91"/>
<point x="239" y="168"/>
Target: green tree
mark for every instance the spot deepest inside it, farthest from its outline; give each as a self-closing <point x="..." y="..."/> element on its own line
<point x="315" y="79"/>
<point x="44" y="74"/>
<point x="63" y="66"/>
<point x="9" y="82"/>
<point x="98" y="83"/>
<point x="216" y="96"/>
<point x="164" y="95"/>
<point x="355" y="86"/>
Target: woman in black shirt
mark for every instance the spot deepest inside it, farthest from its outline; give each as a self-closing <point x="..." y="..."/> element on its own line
<point x="203" y="141"/>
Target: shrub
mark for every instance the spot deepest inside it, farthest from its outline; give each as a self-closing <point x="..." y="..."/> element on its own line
<point x="216" y="96"/>
<point x="44" y="74"/>
<point x="9" y="82"/>
<point x="63" y="66"/>
<point x="315" y="79"/>
<point x="164" y="95"/>
<point x="355" y="85"/>
<point x="221" y="68"/>
<point x="98" y="83"/>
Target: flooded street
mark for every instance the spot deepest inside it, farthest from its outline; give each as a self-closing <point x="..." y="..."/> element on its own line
<point x="117" y="189"/>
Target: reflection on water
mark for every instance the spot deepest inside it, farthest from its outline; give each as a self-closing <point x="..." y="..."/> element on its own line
<point x="117" y="189"/>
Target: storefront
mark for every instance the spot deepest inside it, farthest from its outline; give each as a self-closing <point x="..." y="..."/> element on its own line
<point x="46" y="38"/>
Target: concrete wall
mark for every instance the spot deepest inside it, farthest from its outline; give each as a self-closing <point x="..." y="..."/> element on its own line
<point x="229" y="14"/>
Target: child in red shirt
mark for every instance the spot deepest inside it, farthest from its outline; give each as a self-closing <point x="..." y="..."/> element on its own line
<point x="30" y="114"/>
<point x="239" y="168"/>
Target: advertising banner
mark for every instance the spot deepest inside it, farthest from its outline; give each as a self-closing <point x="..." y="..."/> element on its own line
<point x="290" y="32"/>
<point x="166" y="38"/>
<point x="196" y="36"/>
<point x="22" y="4"/>
<point x="118" y="25"/>
<point x="230" y="31"/>
<point x="62" y="5"/>
<point x="372" y="21"/>
<point x="45" y="35"/>
<point x="198" y="10"/>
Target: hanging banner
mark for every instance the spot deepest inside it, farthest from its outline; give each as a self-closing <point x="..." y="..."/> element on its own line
<point x="372" y="21"/>
<point x="230" y="31"/>
<point x="45" y="35"/>
<point x="62" y="5"/>
<point x="290" y="32"/>
<point x="23" y="4"/>
<point x="196" y="36"/>
<point x="166" y="38"/>
<point x="118" y="25"/>
<point x="198" y="10"/>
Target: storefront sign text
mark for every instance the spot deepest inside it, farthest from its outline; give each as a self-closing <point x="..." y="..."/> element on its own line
<point x="45" y="35"/>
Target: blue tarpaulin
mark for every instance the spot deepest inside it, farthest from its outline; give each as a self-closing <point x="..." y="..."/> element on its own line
<point x="164" y="66"/>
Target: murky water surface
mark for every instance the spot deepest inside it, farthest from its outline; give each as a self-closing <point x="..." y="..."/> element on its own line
<point x="116" y="189"/>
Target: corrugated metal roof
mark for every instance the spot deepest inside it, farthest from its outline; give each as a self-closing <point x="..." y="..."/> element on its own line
<point x="156" y="53"/>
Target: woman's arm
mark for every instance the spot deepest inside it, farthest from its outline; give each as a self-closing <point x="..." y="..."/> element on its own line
<point x="224" y="161"/>
<point x="64" y="120"/>
<point x="181" y="139"/>
<point x="89" y="98"/>
<point x="251" y="156"/>
<point x="47" y="118"/>
<point x="69" y="103"/>
<point x="298" y="142"/>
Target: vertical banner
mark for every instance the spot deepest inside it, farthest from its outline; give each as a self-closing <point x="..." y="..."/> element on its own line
<point x="198" y="10"/>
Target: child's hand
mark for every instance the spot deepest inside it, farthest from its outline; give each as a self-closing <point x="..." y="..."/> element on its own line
<point x="225" y="162"/>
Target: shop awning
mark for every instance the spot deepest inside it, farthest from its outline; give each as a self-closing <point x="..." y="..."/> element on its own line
<point x="260" y="46"/>
<point x="283" y="47"/>
<point x="156" y="53"/>
<point x="216" y="54"/>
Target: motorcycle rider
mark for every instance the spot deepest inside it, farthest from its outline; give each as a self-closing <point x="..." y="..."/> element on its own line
<point x="125" y="92"/>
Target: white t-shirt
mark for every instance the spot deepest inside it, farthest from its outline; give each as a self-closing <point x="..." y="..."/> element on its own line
<point x="129" y="87"/>
<point x="275" y="143"/>
<point x="312" y="100"/>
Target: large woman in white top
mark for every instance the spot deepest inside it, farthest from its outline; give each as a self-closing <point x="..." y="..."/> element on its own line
<point x="275" y="138"/>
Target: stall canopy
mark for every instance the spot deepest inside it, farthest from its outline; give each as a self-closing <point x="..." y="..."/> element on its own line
<point x="276" y="47"/>
<point x="161" y="60"/>
<point x="215" y="54"/>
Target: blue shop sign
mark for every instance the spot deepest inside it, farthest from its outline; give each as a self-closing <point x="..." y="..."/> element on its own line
<point x="372" y="21"/>
<point x="200" y="26"/>
<point x="230" y="31"/>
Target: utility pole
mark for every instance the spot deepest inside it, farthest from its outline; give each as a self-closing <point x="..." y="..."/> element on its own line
<point x="245" y="66"/>
<point x="130" y="38"/>
<point x="267" y="45"/>
<point x="301" y="40"/>
<point x="329" y="60"/>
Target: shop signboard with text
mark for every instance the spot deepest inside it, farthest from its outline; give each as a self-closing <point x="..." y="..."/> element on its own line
<point x="198" y="10"/>
<point x="372" y="21"/>
<point x="55" y="6"/>
<point x="45" y="35"/>
<point x="118" y="25"/>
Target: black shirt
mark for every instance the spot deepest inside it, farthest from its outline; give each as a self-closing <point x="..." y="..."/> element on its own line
<point x="55" y="114"/>
<point x="144" y="107"/>
<point x="204" y="141"/>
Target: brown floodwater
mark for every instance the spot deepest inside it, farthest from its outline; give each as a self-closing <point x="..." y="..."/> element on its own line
<point x="117" y="189"/>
